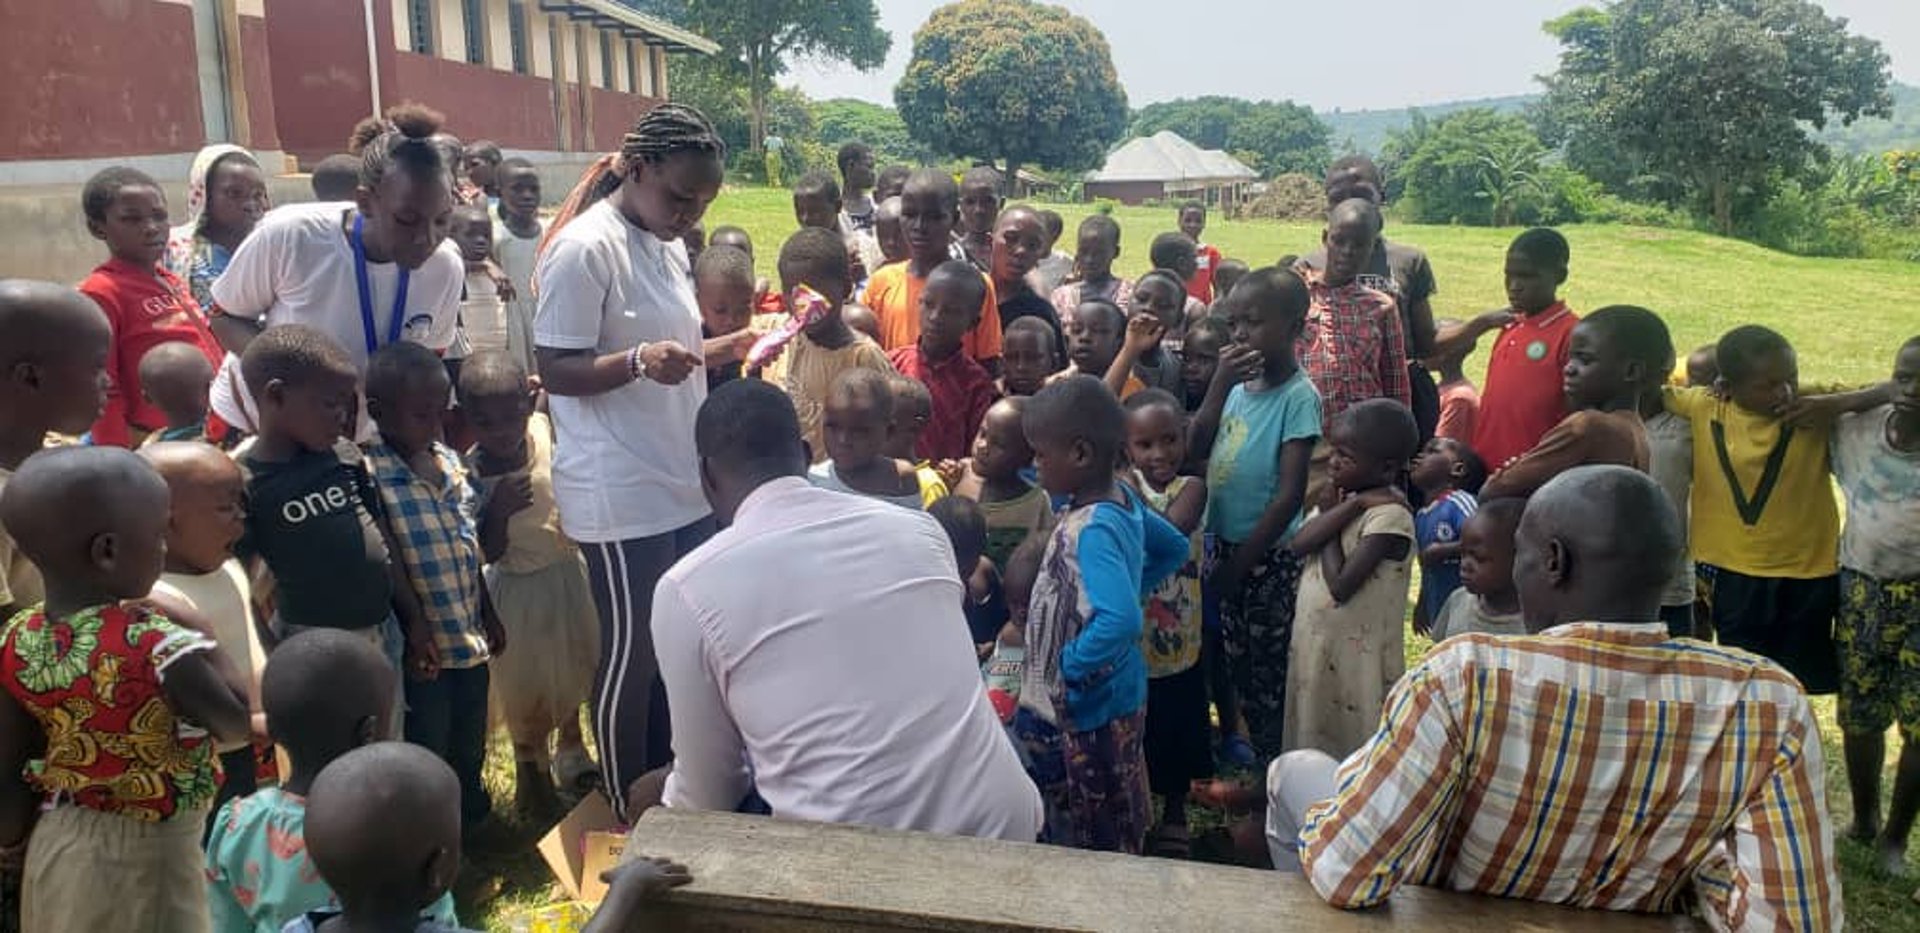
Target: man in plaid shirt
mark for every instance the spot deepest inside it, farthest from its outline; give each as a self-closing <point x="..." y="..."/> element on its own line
<point x="1596" y="763"/>
<point x="429" y="509"/>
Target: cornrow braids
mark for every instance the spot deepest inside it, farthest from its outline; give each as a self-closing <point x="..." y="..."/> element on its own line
<point x="409" y="138"/>
<point x="664" y="131"/>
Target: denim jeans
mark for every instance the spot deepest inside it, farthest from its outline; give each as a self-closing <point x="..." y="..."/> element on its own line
<point x="448" y="716"/>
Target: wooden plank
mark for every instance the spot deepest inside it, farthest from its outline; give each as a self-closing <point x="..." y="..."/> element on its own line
<point x="754" y="873"/>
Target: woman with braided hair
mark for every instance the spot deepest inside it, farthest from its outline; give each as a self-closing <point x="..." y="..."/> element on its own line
<point x="308" y="263"/>
<point x="617" y="337"/>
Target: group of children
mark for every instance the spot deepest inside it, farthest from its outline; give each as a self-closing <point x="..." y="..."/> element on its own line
<point x="1201" y="493"/>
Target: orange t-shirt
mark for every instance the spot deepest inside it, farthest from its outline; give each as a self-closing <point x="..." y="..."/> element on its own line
<point x="893" y="293"/>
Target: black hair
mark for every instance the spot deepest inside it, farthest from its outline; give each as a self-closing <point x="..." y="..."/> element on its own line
<point x="1358" y="163"/>
<point x="1357" y="209"/>
<point x="400" y="366"/>
<point x="1913" y="343"/>
<point x="749" y="424"/>
<point x="661" y="133"/>
<point x="1473" y="465"/>
<point x="1383" y="428"/>
<point x="964" y="275"/>
<point x="815" y="256"/>
<point x="175" y="359"/>
<point x="1078" y="408"/>
<point x="1101" y="225"/>
<point x="1614" y="515"/>
<point x="1636" y="332"/>
<point x="300" y="690"/>
<point x="964" y="523"/>
<point x="516" y="164"/>
<point x="336" y="178"/>
<point x="374" y="815"/>
<point x="1168" y="248"/>
<point x="1163" y="274"/>
<point x="850" y="153"/>
<point x="1506" y="510"/>
<point x="1190" y="205"/>
<point x="1029" y="324"/>
<point x="1238" y="265"/>
<point x="492" y="374"/>
<point x="292" y="354"/>
<point x="727" y="230"/>
<point x="730" y="263"/>
<point x="486" y="149"/>
<point x="61" y="497"/>
<point x="106" y="184"/>
<point x="1741" y="348"/>
<point x="1053" y="223"/>
<point x="941" y="184"/>
<point x="1275" y="289"/>
<point x="906" y="389"/>
<point x="1212" y="326"/>
<point x="817" y="183"/>
<point x="476" y="211"/>
<point x="872" y="383"/>
<point x="1543" y="246"/>
<point x="1105" y="306"/>
<point x="980" y="173"/>
<point x="1149" y="397"/>
<point x="408" y="138"/>
<point x="891" y="174"/>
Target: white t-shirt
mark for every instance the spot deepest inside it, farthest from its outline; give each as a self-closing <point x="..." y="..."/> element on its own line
<point x="624" y="465"/>
<point x="297" y="268"/>
<point x="1882" y="486"/>
<point x="226" y="599"/>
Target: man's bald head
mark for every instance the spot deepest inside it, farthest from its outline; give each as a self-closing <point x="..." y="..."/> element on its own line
<point x="746" y="434"/>
<point x="1597" y="543"/>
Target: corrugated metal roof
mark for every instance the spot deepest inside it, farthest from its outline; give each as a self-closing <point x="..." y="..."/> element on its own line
<point x="658" y="31"/>
<point x="1167" y="156"/>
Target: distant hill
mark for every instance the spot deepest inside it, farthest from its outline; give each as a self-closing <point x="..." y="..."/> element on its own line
<point x="1367" y="130"/>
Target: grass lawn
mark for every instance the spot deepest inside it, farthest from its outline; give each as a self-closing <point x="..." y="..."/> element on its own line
<point x="1846" y="317"/>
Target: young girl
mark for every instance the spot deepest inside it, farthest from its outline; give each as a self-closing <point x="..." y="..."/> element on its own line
<point x="226" y="197"/>
<point x="1014" y="508"/>
<point x="1349" y="621"/>
<point x="121" y="705"/>
<point x="858" y="424"/>
<point x="1176" y="733"/>
<point x="536" y="578"/>
<point x="1085" y="683"/>
<point x="1256" y="429"/>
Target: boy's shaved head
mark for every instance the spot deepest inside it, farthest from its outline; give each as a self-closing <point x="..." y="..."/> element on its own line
<point x="963" y="277"/>
<point x="182" y="463"/>
<point x="40" y="319"/>
<point x="383" y="827"/>
<point x="64" y="498"/>
<point x="309" y="713"/>
<point x="1356" y="211"/>
<point x="722" y="262"/>
<point x="817" y="258"/>
<point x="937" y="183"/>
<point x="1596" y="543"/>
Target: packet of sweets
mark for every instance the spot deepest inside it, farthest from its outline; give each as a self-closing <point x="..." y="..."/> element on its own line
<point x="808" y="307"/>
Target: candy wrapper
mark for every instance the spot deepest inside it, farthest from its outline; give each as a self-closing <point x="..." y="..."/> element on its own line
<point x="808" y="306"/>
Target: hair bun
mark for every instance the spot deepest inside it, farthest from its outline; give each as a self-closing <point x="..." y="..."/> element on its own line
<point x="415" y="120"/>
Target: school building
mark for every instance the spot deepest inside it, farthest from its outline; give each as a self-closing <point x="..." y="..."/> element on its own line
<point x="148" y="82"/>
<point x="1165" y="166"/>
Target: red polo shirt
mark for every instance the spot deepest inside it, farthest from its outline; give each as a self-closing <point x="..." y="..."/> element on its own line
<point x="962" y="392"/>
<point x="1523" y="399"/>
<point x="146" y="308"/>
<point x="1200" y="287"/>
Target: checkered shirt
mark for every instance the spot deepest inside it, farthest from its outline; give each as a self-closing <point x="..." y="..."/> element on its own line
<point x="1353" y="347"/>
<point x="435" y="534"/>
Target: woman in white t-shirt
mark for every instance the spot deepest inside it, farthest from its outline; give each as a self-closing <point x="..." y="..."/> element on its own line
<point x="367" y="274"/>
<point x="617" y="336"/>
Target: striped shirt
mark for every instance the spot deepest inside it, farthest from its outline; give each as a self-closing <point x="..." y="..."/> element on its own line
<point x="1599" y="766"/>
<point x="435" y="537"/>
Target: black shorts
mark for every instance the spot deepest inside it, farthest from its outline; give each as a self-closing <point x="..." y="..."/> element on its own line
<point x="1788" y="620"/>
<point x="1178" y="735"/>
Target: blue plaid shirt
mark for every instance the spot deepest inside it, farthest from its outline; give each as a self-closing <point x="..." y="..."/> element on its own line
<point x="436" y="535"/>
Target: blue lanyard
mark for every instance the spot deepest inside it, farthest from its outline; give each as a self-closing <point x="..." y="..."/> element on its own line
<point x="366" y="291"/>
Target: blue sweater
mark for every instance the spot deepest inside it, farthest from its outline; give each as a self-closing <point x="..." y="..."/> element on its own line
<point x="1124" y="552"/>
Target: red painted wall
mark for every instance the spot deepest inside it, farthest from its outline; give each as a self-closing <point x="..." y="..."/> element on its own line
<point x="96" y="78"/>
<point x="514" y="110"/>
<point x="319" y="54"/>
<point x="614" y="114"/>
<point x="254" y="62"/>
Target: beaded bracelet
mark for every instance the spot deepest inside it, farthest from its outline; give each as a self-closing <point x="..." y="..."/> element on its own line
<point x="635" y="370"/>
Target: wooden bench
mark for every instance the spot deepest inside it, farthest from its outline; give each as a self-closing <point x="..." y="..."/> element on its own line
<point x="753" y="873"/>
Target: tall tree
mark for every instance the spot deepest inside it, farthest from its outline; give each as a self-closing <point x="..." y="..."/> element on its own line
<point x="1471" y="167"/>
<point x="844" y="120"/>
<point x="765" y="35"/>
<point x="1282" y="136"/>
<point x="1706" y="100"/>
<point x="1014" y="81"/>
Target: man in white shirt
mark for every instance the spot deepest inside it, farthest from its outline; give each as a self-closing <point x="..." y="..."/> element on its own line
<point x="816" y="650"/>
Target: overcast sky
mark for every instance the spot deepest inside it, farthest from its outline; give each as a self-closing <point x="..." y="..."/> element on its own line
<point x="1416" y="51"/>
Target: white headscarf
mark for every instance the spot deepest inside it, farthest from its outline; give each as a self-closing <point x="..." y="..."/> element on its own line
<point x="179" y="259"/>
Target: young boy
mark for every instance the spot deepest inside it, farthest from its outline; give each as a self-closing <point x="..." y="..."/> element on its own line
<point x="1670" y="463"/>
<point x="949" y="303"/>
<point x="326" y="693"/>
<point x="1876" y="458"/>
<point x="1459" y="399"/>
<point x="174" y="378"/>
<point x="1200" y="285"/>
<point x="1053" y="270"/>
<point x="1200" y="357"/>
<point x="855" y="161"/>
<point x="516" y="241"/>
<point x="430" y="514"/>
<point x="118" y="704"/>
<point x="1176" y="253"/>
<point x="1702" y="369"/>
<point x="1486" y="602"/>
<point x="1353" y="347"/>
<point x="816" y="204"/>
<point x="857" y="423"/>
<point x="984" y="602"/>
<point x="481" y="163"/>
<point x="723" y="288"/>
<point x="927" y="213"/>
<point x="1083" y="694"/>
<point x="765" y="300"/>
<point x="979" y="209"/>
<point x="1160" y="296"/>
<point x="1014" y="508"/>
<point x="1610" y="361"/>
<point x="483" y="309"/>
<point x="145" y="304"/>
<point x="1522" y="398"/>
<point x="1030" y="354"/>
<point x="312" y="506"/>
<point x="207" y="518"/>
<point x="1225" y="276"/>
<point x="336" y="177"/>
<point x="53" y="379"/>
<point x="887" y="233"/>
<point x="1098" y="245"/>
<point x="1096" y="335"/>
<point x="891" y="181"/>
<point x="827" y="347"/>
<point x="912" y="412"/>
<point x="1449" y="475"/>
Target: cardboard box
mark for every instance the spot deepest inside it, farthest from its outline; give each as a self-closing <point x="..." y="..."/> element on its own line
<point x="589" y="841"/>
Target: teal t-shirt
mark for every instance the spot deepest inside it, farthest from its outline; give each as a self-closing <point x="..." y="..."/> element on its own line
<point x="1244" y="470"/>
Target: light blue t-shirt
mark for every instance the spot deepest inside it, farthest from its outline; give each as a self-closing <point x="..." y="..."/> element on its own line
<point x="1244" y="471"/>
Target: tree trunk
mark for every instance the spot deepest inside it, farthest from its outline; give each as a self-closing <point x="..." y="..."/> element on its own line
<point x="756" y="103"/>
<point x="1010" y="180"/>
<point x="1722" y="207"/>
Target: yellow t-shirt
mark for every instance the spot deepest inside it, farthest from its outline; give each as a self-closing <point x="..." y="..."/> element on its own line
<point x="1763" y="504"/>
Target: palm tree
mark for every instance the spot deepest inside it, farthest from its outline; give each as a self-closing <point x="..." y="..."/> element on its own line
<point x="1506" y="175"/>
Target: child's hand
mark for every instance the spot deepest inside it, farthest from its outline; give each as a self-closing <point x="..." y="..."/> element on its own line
<point x="510" y="495"/>
<point x="496" y="633"/>
<point x="1143" y="333"/>
<point x="644" y="876"/>
<point x="422" y="655"/>
<point x="1495" y="320"/>
<point x="501" y="282"/>
<point x="742" y="340"/>
<point x="1330" y="497"/>
<point x="1239" y="363"/>
<point x="952" y="471"/>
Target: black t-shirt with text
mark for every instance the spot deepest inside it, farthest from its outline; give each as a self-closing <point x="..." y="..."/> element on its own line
<point x="312" y="519"/>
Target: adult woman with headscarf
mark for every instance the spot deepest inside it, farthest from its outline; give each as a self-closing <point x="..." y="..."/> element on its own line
<point x="226" y="197"/>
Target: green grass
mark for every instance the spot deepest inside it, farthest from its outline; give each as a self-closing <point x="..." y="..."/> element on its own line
<point x="1846" y="317"/>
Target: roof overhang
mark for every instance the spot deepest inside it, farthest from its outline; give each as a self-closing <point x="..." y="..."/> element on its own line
<point x="631" y="24"/>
